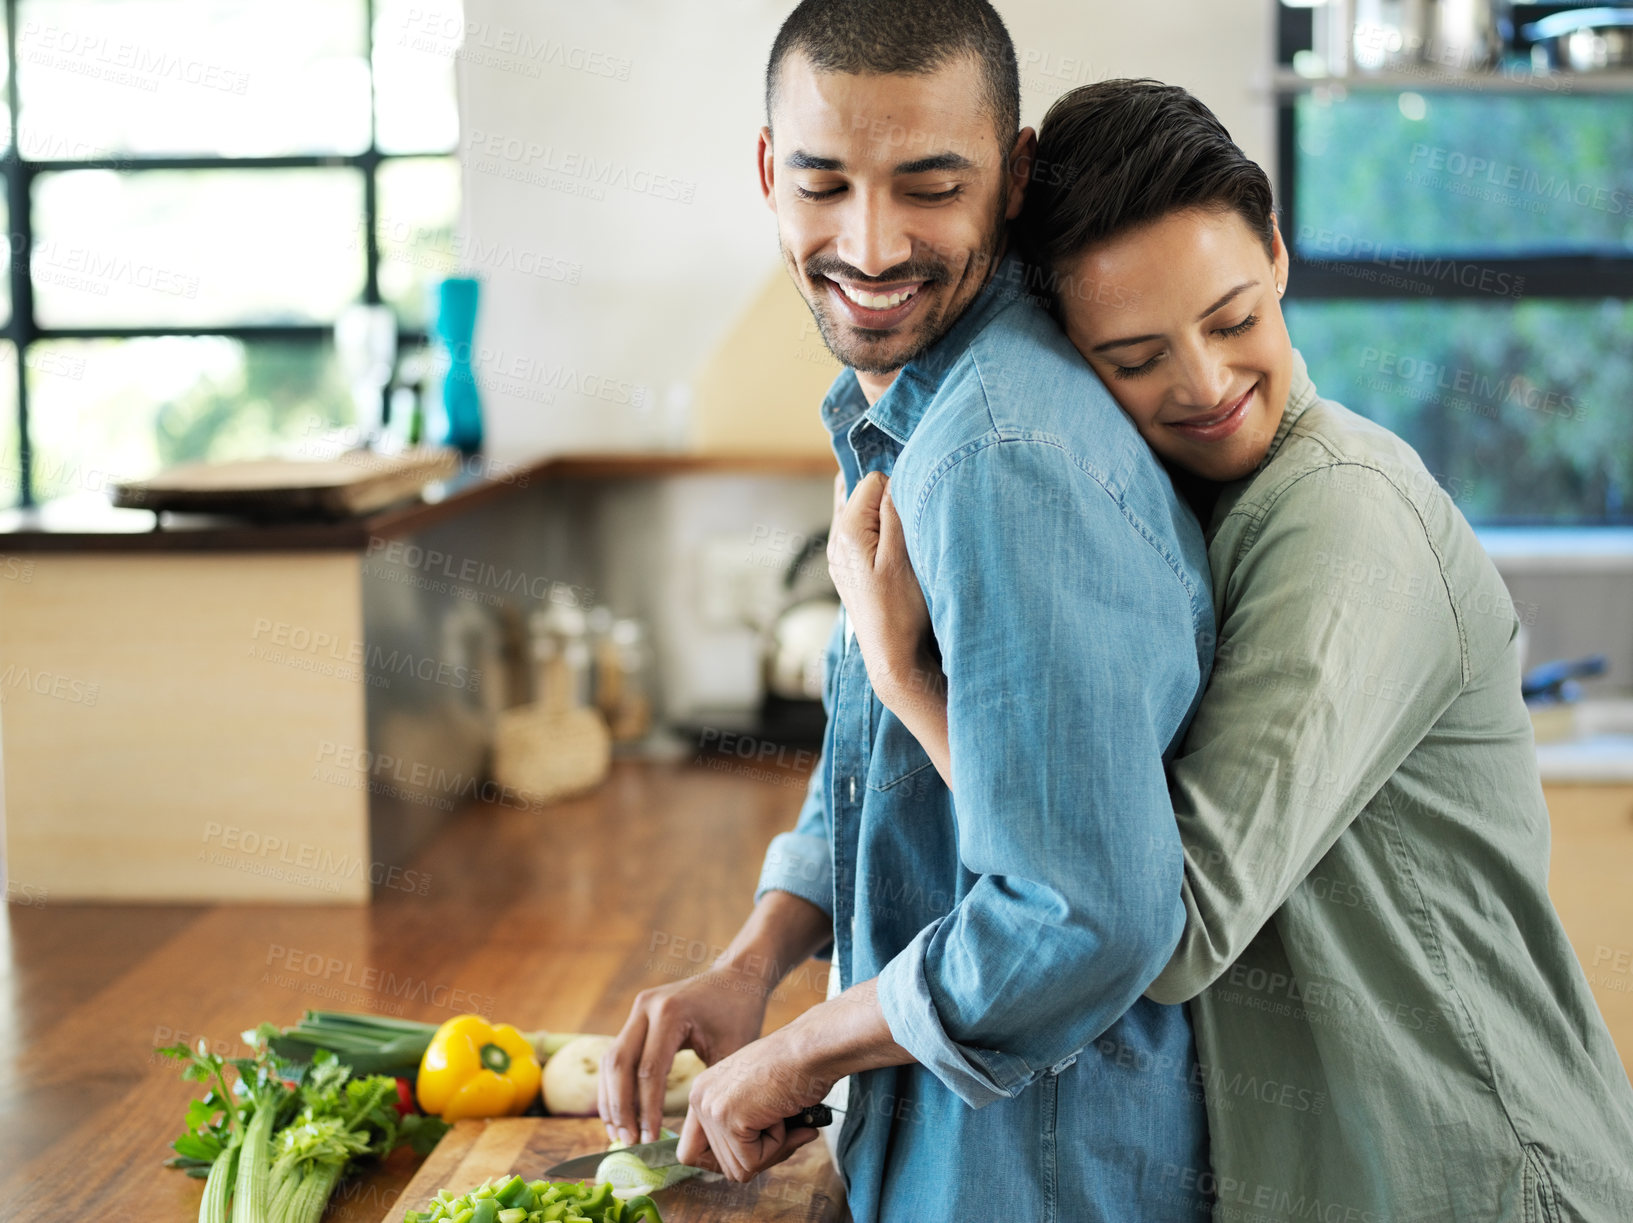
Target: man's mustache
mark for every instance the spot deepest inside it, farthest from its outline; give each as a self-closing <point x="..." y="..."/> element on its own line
<point x="913" y="269"/>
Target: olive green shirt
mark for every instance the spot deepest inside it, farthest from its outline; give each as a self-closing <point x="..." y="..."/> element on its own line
<point x="1390" y="1021"/>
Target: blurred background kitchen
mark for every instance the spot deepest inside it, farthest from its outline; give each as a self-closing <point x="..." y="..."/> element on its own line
<point x="404" y="412"/>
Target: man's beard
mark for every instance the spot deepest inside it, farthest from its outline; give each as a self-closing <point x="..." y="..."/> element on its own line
<point x="873" y="353"/>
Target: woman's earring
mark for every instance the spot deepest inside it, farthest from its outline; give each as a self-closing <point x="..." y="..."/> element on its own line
<point x="1279" y="289"/>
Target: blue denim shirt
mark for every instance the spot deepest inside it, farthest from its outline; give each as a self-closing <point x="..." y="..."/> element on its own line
<point x="1014" y="933"/>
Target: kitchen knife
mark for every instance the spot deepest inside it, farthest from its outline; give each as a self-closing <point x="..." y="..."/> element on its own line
<point x="661" y="1154"/>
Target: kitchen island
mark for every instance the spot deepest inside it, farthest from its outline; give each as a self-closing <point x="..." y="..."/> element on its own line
<point x="551" y="918"/>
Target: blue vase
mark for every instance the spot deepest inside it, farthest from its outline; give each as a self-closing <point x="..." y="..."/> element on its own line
<point x="455" y="327"/>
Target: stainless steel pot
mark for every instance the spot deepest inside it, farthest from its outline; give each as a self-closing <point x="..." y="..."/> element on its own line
<point x="1586" y="40"/>
<point x="1447" y="35"/>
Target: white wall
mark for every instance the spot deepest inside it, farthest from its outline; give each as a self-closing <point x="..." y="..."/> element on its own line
<point x="660" y="280"/>
<point x="612" y="142"/>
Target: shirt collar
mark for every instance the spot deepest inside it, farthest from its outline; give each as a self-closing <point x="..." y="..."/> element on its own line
<point x="899" y="410"/>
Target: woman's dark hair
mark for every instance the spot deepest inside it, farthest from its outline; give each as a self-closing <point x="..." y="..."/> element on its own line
<point x="1116" y="154"/>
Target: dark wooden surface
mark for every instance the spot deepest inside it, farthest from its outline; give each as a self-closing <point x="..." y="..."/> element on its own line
<point x="87" y="523"/>
<point x="551" y="919"/>
<point x="803" y="1189"/>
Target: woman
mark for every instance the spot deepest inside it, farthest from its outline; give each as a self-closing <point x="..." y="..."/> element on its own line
<point x="1390" y="1022"/>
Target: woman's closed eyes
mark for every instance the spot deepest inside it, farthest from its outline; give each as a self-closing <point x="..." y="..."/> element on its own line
<point x="1230" y="333"/>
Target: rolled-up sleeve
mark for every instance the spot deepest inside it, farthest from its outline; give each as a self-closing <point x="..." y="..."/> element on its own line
<point x="1339" y="647"/>
<point x="1069" y="640"/>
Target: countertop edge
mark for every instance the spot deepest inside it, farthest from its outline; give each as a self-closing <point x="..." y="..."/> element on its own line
<point x="105" y="529"/>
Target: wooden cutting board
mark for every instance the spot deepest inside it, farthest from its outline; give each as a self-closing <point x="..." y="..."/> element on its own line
<point x="803" y="1189"/>
<point x="355" y="482"/>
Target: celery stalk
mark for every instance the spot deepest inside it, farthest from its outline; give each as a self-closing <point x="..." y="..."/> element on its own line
<point x="308" y="1203"/>
<point x="212" y="1208"/>
<point x="251" y="1187"/>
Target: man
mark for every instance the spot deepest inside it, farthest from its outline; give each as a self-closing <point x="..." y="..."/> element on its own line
<point x="993" y="952"/>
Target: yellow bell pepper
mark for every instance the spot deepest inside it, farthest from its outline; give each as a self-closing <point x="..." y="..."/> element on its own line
<point x="473" y="1068"/>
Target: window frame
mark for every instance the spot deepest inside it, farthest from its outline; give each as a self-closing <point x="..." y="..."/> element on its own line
<point x="1561" y="277"/>
<point x="19" y="172"/>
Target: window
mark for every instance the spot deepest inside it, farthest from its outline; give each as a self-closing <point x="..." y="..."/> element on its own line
<point x="194" y="190"/>
<point x="1463" y="272"/>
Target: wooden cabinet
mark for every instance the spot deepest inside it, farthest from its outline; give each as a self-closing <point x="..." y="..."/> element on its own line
<point x="1590" y="877"/>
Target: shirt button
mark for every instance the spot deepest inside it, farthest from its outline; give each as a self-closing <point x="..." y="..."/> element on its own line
<point x="853" y="789"/>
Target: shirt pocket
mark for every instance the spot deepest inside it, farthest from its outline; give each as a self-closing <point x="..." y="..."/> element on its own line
<point x="897" y="757"/>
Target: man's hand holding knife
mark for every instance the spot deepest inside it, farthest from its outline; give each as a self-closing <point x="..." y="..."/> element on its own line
<point x="736" y="1119"/>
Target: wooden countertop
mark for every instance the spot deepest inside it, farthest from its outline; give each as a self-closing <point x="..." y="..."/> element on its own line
<point x="552" y="919"/>
<point x="87" y="523"/>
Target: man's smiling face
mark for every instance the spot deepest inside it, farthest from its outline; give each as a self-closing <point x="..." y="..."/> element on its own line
<point x="891" y="194"/>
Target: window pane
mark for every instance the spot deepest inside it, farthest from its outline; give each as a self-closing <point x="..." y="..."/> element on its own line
<point x="10" y="459"/>
<point x="179" y="248"/>
<point x="5" y="255"/>
<point x="5" y="76"/>
<point x="414" y="100"/>
<point x="104" y="410"/>
<point x="1464" y="173"/>
<point x="1522" y="411"/>
<point x="419" y="210"/>
<point x="194" y="76"/>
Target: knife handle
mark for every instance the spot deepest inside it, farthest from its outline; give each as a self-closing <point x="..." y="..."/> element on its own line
<point x="815" y="1117"/>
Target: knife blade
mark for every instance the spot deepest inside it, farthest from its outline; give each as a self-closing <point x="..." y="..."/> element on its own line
<point x="661" y="1154"/>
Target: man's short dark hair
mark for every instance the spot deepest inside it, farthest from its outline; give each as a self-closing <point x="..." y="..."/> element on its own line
<point x="912" y="37"/>
<point x="1115" y="155"/>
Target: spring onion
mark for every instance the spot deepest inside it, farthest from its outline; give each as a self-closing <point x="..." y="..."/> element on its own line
<point x="379" y="1044"/>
